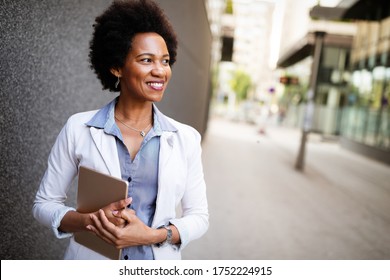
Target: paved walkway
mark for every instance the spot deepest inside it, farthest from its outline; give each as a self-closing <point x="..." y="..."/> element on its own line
<point x="262" y="208"/>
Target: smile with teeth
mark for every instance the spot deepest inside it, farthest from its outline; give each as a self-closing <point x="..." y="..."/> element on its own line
<point x="156" y="85"/>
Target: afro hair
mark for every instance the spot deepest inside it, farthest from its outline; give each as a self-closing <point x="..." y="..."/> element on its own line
<point x="115" y="29"/>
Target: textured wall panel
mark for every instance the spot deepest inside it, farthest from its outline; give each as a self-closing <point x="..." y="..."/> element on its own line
<point x="45" y="78"/>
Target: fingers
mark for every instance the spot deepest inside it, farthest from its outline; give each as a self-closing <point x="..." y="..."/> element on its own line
<point x="132" y="234"/>
<point x="121" y="204"/>
<point x="103" y="227"/>
<point x="125" y="214"/>
<point x="116" y="206"/>
<point x="95" y="231"/>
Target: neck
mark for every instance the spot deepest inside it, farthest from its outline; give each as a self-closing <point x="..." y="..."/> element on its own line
<point x="134" y="113"/>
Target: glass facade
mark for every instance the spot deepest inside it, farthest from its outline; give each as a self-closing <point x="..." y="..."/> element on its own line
<point x="366" y="113"/>
<point x="353" y="89"/>
<point x="366" y="117"/>
<point x="331" y="92"/>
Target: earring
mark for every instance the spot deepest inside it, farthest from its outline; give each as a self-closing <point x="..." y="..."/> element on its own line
<point x="117" y="83"/>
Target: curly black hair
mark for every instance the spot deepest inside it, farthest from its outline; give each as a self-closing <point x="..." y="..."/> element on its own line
<point x="115" y="29"/>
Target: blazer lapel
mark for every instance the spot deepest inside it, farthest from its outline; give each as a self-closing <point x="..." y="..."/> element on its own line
<point x="166" y="147"/>
<point x="106" y="146"/>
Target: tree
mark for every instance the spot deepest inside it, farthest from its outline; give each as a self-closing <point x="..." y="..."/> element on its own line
<point x="240" y="84"/>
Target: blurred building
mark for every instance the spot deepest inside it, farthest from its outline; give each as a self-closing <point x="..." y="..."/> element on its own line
<point x="365" y="124"/>
<point x="353" y="80"/>
<point x="245" y="50"/>
<point x="215" y="10"/>
<point x="252" y="33"/>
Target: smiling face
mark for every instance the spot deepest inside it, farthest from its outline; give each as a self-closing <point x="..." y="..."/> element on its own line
<point x="146" y="72"/>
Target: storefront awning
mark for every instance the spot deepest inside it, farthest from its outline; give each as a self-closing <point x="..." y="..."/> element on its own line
<point x="373" y="10"/>
<point x="304" y="47"/>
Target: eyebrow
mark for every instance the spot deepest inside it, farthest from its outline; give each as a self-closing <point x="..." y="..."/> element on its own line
<point x="150" y="54"/>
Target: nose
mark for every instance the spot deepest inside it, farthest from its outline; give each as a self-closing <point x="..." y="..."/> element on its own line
<point x="158" y="71"/>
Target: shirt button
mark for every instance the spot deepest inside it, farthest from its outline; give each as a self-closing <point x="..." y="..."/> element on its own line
<point x="126" y="257"/>
<point x="129" y="179"/>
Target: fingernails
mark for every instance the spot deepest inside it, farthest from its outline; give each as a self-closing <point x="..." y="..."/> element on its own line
<point x="115" y="212"/>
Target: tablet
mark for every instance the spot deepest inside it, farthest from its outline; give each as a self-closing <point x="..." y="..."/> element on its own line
<point x="96" y="190"/>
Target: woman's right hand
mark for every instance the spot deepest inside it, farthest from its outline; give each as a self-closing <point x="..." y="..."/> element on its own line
<point x="117" y="207"/>
<point x="74" y="221"/>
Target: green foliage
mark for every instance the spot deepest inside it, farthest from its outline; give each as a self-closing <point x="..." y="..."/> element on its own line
<point x="229" y="7"/>
<point x="240" y="84"/>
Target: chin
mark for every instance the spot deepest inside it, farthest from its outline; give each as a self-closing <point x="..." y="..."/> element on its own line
<point x="157" y="97"/>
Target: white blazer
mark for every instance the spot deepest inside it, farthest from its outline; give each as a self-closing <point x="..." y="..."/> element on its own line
<point x="180" y="180"/>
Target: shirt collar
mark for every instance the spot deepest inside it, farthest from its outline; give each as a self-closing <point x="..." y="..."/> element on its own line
<point x="104" y="119"/>
<point x="161" y="123"/>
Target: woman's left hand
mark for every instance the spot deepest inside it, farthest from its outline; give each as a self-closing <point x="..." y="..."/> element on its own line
<point x="134" y="233"/>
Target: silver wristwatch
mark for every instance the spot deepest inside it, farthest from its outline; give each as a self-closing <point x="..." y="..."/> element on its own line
<point x="169" y="236"/>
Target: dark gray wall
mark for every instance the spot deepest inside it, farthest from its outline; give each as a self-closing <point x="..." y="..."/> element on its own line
<point x="45" y="77"/>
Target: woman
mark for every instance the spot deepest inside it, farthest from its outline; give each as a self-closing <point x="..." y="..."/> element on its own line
<point x="132" y="51"/>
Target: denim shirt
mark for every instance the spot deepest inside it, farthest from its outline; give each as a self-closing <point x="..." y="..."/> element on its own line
<point x="141" y="173"/>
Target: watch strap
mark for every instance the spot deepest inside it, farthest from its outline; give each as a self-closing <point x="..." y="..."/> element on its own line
<point x="169" y="236"/>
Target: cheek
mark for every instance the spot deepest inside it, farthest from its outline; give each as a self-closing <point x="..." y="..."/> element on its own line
<point x="169" y="74"/>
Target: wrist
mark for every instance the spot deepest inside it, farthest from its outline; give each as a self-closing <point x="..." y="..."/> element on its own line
<point x="153" y="237"/>
<point x="86" y="219"/>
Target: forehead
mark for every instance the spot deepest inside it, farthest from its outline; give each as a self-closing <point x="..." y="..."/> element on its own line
<point x="151" y="43"/>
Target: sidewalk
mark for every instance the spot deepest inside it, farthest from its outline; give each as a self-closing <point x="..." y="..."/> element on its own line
<point x="262" y="208"/>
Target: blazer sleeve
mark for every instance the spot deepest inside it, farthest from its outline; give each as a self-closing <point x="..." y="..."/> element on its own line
<point x="49" y="204"/>
<point x="195" y="218"/>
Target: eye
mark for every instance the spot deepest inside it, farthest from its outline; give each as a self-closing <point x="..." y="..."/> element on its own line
<point x="166" y="61"/>
<point x="146" y="60"/>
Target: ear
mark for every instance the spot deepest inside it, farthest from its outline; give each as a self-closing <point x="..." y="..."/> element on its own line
<point x="116" y="72"/>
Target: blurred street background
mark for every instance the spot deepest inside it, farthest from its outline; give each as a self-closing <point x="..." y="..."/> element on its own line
<point x="291" y="99"/>
<point x="297" y="148"/>
<point x="261" y="207"/>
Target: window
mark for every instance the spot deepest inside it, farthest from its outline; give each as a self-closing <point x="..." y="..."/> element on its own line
<point x="227" y="48"/>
